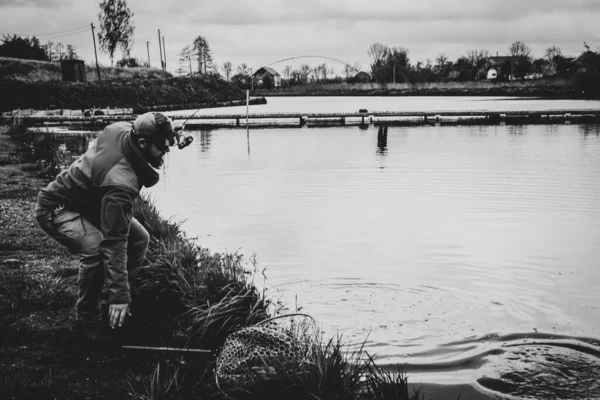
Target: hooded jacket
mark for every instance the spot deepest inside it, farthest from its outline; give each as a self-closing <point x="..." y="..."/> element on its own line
<point x="102" y="185"/>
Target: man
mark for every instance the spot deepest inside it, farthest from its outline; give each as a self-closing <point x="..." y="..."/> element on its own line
<point x="88" y="209"/>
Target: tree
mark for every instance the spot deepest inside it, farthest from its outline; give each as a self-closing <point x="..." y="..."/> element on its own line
<point x="351" y="70"/>
<point x="478" y="60"/>
<point x="203" y="54"/>
<point x="129" y="62"/>
<point x="227" y="69"/>
<point x="287" y="71"/>
<point x="377" y="52"/>
<point x="185" y="60"/>
<point x="519" y="49"/>
<point x="116" y="27"/>
<point x="20" y="47"/>
<point x="243" y="69"/>
<point x="389" y="63"/>
<point x="552" y="56"/>
<point x="71" y="52"/>
<point x="59" y="52"/>
<point x="305" y="71"/>
<point x="441" y="60"/>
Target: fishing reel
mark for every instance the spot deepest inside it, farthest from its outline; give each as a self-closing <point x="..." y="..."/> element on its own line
<point x="185" y="141"/>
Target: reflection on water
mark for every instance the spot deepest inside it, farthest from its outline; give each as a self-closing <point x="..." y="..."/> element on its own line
<point x="467" y="253"/>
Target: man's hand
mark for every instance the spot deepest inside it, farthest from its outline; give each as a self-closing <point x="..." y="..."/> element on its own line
<point x="117" y="314"/>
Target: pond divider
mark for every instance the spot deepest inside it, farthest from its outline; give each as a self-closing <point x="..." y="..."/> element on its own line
<point x="363" y="118"/>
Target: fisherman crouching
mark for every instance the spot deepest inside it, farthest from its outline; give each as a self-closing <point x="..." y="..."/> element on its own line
<point x="88" y="208"/>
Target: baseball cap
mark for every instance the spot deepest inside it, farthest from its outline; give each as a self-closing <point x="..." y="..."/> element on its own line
<point x="155" y="127"/>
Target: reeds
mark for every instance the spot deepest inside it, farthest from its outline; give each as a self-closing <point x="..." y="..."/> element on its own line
<point x="197" y="298"/>
<point x="194" y="298"/>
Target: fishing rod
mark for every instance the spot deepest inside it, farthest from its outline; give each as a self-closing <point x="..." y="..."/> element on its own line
<point x="230" y="84"/>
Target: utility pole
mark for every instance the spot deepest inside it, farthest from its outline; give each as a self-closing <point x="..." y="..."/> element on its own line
<point x="148" y="48"/>
<point x="251" y="80"/>
<point x="394" y="81"/>
<point x="160" y="50"/>
<point x="164" y="53"/>
<point x="95" y="52"/>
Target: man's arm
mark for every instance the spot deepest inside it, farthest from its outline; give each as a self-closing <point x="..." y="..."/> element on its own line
<point x="115" y="220"/>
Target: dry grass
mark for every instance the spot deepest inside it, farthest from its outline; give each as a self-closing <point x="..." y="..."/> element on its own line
<point x="426" y="86"/>
<point x="33" y="70"/>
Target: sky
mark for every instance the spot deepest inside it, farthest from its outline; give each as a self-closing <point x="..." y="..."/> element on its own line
<point x="263" y="32"/>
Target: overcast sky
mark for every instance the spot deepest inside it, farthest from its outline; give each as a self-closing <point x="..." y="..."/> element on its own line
<point x="262" y="32"/>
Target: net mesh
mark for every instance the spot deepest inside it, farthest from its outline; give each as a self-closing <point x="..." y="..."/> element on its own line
<point x="257" y="349"/>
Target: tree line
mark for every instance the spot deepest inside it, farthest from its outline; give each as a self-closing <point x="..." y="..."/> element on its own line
<point x="16" y="46"/>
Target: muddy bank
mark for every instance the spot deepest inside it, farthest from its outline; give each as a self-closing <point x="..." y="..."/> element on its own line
<point x="139" y="94"/>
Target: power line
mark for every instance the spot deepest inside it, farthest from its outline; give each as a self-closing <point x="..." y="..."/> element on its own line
<point x="43" y="34"/>
<point x="69" y="34"/>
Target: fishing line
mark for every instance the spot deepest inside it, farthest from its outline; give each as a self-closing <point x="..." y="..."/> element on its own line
<point x="230" y="84"/>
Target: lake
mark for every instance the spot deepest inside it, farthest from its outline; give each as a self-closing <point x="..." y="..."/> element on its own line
<point x="465" y="253"/>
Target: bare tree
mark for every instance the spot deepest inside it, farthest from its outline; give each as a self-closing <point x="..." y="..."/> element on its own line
<point x="185" y="59"/>
<point x="519" y="48"/>
<point x="377" y="52"/>
<point x="59" y="51"/>
<point x="316" y="72"/>
<point x="441" y="60"/>
<point x="71" y="53"/>
<point x="305" y="70"/>
<point x="551" y="52"/>
<point x="287" y="71"/>
<point x="243" y="69"/>
<point x="227" y="69"/>
<point x="116" y="27"/>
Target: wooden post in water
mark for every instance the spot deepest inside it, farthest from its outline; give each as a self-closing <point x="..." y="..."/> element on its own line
<point x="247" y="103"/>
<point x="382" y="137"/>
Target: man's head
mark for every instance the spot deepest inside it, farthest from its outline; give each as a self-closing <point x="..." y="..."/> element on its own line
<point x="153" y="132"/>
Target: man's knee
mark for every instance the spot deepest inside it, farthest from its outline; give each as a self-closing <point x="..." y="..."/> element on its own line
<point x="139" y="238"/>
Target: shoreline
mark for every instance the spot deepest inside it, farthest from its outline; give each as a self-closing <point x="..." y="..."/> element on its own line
<point x="37" y="356"/>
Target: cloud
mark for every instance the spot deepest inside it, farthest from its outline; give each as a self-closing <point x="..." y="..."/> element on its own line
<point x="261" y="32"/>
<point x="34" y="3"/>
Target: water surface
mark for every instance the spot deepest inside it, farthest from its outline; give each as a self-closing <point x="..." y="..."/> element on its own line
<point x="445" y="248"/>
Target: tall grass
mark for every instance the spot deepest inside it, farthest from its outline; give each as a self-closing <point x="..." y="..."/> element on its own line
<point x="42" y="148"/>
<point x="193" y="297"/>
<point x="33" y="70"/>
<point x="367" y="87"/>
<point x="197" y="299"/>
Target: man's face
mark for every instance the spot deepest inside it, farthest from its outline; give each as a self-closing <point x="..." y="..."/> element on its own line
<point x="155" y="152"/>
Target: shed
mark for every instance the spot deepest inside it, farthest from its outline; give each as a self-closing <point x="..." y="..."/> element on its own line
<point x="492" y="74"/>
<point x="73" y="70"/>
<point x="267" y="77"/>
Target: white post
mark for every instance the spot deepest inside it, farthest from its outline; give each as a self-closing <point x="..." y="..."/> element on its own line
<point x="247" y="102"/>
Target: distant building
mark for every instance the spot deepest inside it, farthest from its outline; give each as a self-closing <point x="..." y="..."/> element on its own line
<point x="502" y="67"/>
<point x="362" y="76"/>
<point x="586" y="58"/>
<point x="267" y="77"/>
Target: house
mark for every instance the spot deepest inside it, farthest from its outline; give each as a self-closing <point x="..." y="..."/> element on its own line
<point x="504" y="67"/>
<point x="362" y="76"/>
<point x="267" y="77"/>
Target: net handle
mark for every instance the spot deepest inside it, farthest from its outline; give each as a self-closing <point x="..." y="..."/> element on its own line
<point x="283" y="316"/>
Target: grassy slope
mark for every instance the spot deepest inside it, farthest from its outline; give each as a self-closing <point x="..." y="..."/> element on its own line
<point x="32" y="70"/>
<point x="26" y="84"/>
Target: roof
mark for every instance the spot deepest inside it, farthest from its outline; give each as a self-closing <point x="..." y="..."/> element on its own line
<point x="585" y="57"/>
<point x="499" y="60"/>
<point x="270" y="70"/>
